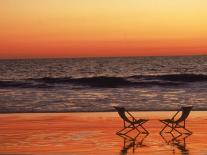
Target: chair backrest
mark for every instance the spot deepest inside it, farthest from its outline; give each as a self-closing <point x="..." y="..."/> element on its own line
<point x="185" y="113"/>
<point x="121" y="111"/>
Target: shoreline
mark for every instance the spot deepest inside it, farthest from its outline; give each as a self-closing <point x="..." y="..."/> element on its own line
<point x="102" y="57"/>
<point x="112" y="111"/>
<point x="151" y="115"/>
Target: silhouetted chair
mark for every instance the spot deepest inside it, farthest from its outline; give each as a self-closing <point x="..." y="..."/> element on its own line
<point x="130" y="123"/>
<point x="180" y="122"/>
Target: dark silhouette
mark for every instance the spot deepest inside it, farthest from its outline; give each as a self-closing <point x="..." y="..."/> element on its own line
<point x="130" y="124"/>
<point x="180" y="122"/>
<point x="179" y="142"/>
<point x="132" y="142"/>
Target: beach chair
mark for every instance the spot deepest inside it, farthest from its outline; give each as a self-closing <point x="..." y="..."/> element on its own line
<point x="179" y="123"/>
<point x="130" y="123"/>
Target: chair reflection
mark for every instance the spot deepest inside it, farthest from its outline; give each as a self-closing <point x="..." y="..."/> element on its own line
<point x="132" y="142"/>
<point x="177" y="141"/>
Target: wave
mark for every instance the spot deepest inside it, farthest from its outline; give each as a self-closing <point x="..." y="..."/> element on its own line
<point x="175" y="77"/>
<point x="108" y="82"/>
<point x="22" y="84"/>
<point x="104" y="81"/>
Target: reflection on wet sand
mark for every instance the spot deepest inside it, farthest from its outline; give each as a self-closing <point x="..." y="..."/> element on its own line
<point x="94" y="133"/>
<point x="132" y="142"/>
<point x="178" y="141"/>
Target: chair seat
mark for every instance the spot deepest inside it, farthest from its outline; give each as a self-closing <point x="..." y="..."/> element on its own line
<point x="167" y="120"/>
<point x="139" y="121"/>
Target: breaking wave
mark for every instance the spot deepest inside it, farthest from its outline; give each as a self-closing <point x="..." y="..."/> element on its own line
<point x="107" y="82"/>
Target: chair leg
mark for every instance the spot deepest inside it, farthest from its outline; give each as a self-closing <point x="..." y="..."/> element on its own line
<point x="163" y="138"/>
<point x="189" y="132"/>
<point x="177" y="131"/>
<point x="127" y="127"/>
<point x="164" y="127"/>
<point x="132" y="127"/>
<point x="144" y="129"/>
<point x="136" y="127"/>
<point x="119" y="132"/>
<point x="129" y="131"/>
<point x="146" y="132"/>
<point x="172" y="128"/>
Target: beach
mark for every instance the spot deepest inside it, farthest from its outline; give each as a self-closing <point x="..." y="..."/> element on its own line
<point x="95" y="133"/>
<point x="74" y="75"/>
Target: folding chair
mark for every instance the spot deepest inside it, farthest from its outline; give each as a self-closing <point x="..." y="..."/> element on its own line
<point x="179" y="123"/>
<point x="132" y="123"/>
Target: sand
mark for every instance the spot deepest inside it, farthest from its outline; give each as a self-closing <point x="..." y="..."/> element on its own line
<point x="94" y="133"/>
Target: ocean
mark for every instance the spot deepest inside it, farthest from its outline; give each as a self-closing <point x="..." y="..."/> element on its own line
<point x="98" y="84"/>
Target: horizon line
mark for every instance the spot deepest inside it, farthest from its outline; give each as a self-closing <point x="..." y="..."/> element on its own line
<point x="91" y="57"/>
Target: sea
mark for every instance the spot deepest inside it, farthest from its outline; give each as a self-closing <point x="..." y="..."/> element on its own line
<point x="99" y="84"/>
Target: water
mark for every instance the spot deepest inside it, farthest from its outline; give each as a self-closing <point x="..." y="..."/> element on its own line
<point x="98" y="84"/>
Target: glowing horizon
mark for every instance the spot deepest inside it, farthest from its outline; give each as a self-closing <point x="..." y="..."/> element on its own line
<point x="92" y="28"/>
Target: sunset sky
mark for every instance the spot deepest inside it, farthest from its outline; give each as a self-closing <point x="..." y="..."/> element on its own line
<point x="88" y="28"/>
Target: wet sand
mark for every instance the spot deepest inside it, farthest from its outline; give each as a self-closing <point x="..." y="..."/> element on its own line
<point x="94" y="133"/>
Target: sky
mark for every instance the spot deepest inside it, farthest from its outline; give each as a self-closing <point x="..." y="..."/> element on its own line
<point x="96" y="28"/>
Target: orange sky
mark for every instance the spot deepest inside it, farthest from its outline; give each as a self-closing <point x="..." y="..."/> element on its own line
<point x="85" y="28"/>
